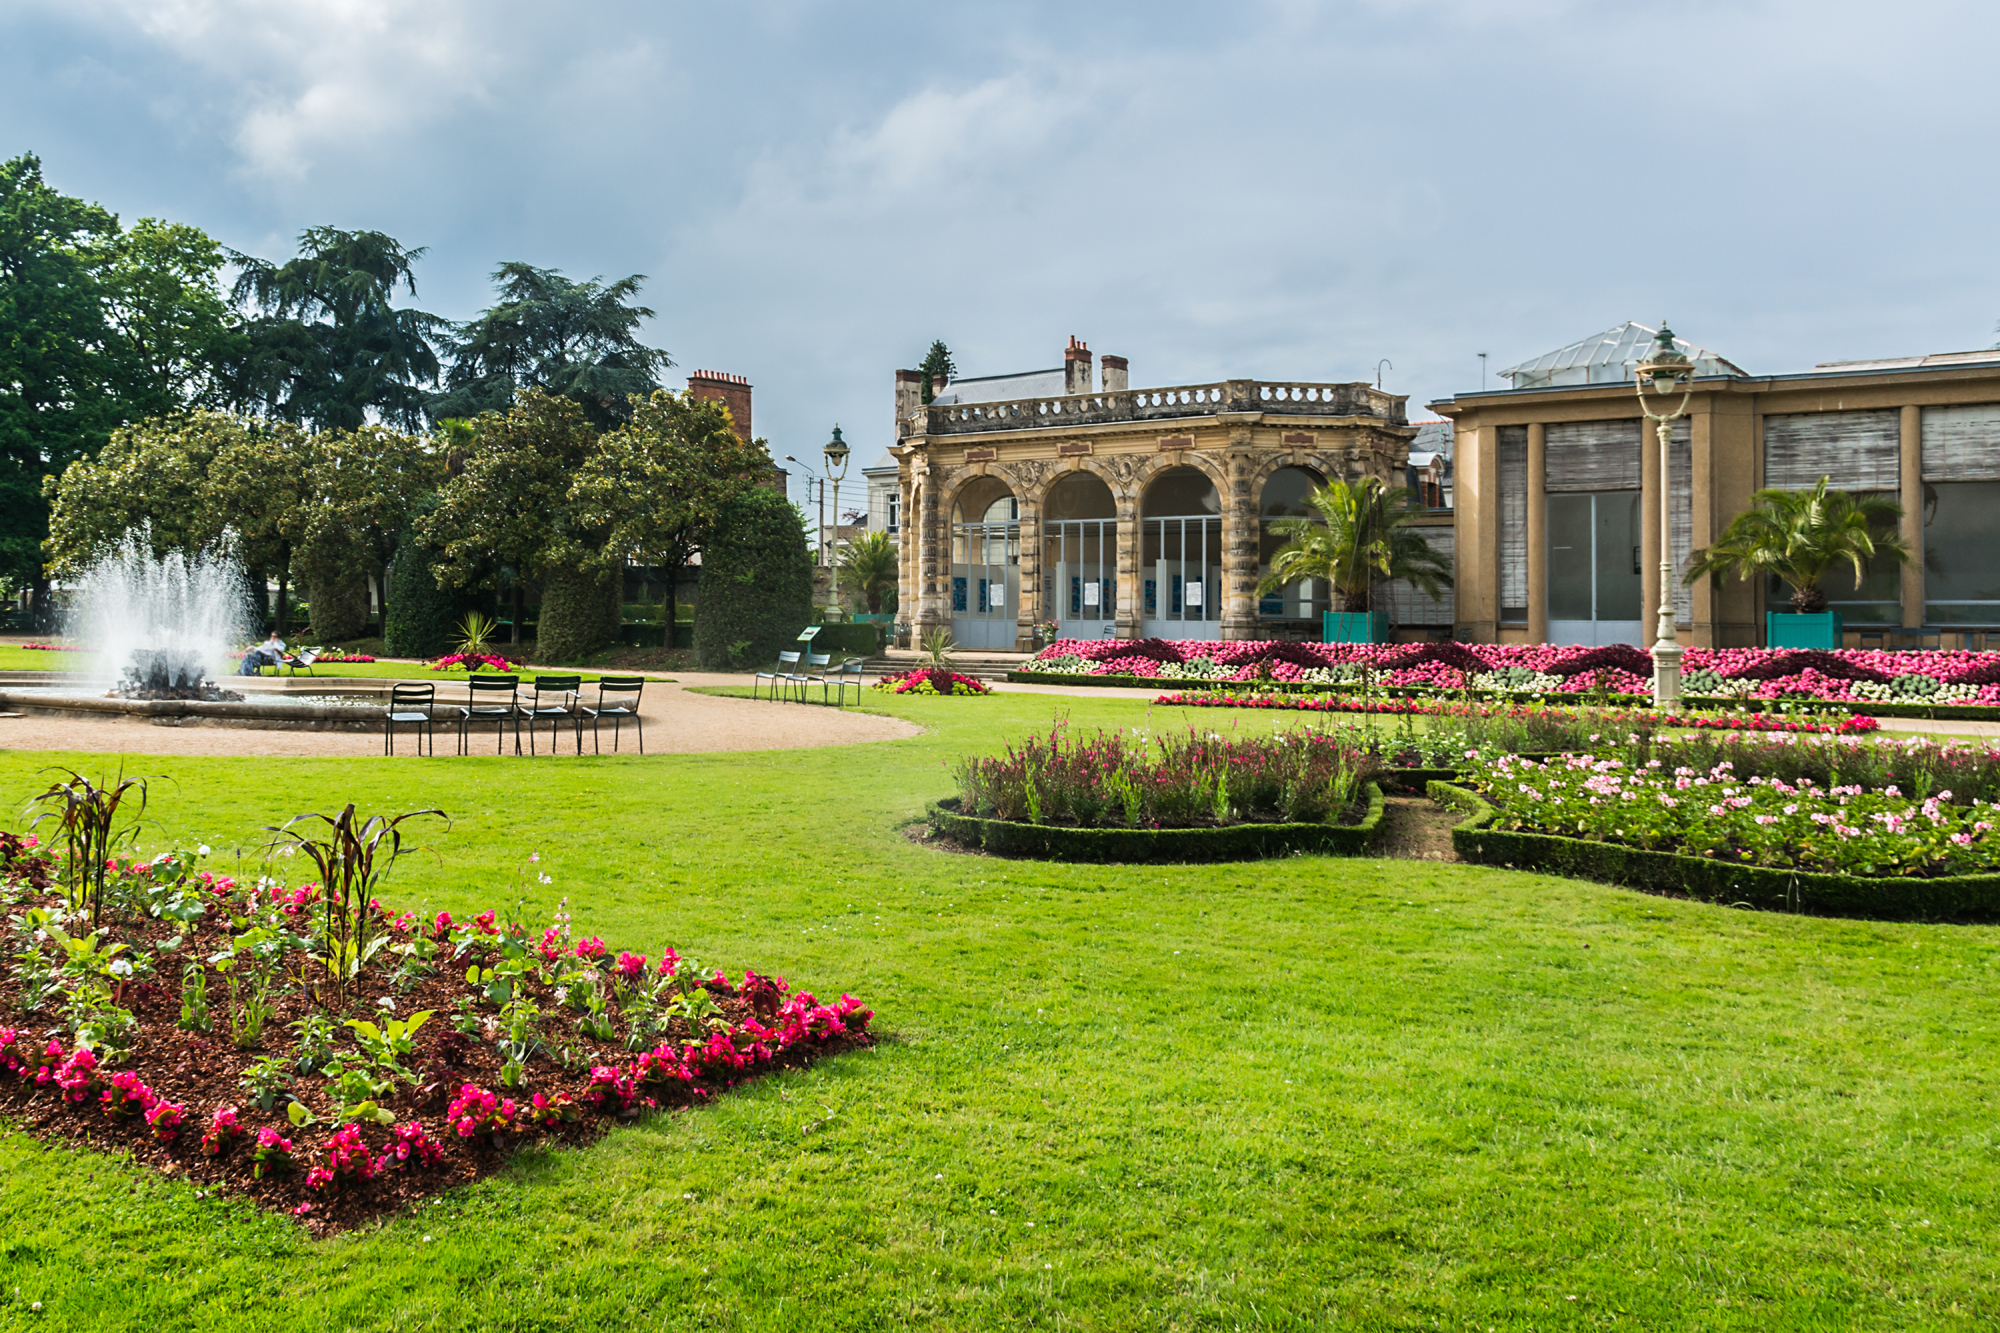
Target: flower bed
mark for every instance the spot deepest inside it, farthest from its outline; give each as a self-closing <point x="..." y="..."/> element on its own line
<point x="929" y="680"/>
<point x="473" y="662"/>
<point x="1236" y="842"/>
<point x="55" y="647"/>
<point x="219" y="1030"/>
<point x="1447" y="708"/>
<point x="336" y="657"/>
<point x="1844" y="676"/>
<point x="1717" y="880"/>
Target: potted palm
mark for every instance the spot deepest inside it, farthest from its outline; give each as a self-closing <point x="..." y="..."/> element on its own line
<point x="1360" y="531"/>
<point x="1798" y="536"/>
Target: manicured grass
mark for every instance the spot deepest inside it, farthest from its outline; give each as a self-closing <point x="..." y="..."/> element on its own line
<point x="1313" y="1093"/>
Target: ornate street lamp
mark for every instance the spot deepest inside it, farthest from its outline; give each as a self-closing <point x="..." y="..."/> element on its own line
<point x="1665" y="372"/>
<point x="836" y="468"/>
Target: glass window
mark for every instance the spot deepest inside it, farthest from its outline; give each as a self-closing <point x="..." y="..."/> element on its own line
<point x="1181" y="491"/>
<point x="1876" y="600"/>
<point x="1962" y="553"/>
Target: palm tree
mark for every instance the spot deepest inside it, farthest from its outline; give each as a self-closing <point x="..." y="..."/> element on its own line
<point x="1799" y="535"/>
<point x="1360" y="531"/>
<point x="871" y="562"/>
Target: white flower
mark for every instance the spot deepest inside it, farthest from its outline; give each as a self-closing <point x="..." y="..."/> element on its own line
<point x="201" y="850"/>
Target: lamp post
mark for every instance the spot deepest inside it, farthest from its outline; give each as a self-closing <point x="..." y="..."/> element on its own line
<point x="1665" y="372"/>
<point x="836" y="468"/>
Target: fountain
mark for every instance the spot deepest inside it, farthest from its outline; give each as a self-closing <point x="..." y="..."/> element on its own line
<point x="162" y="621"/>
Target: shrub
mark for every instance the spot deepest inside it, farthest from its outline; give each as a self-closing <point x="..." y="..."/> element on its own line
<point x="580" y="610"/>
<point x="755" y="592"/>
<point x="419" y="618"/>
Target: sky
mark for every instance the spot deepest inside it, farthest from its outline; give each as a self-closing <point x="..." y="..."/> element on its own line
<point x="1271" y="190"/>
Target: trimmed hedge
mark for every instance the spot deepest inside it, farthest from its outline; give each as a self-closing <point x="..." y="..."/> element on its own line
<point x="421" y="619"/>
<point x="1815" y="893"/>
<point x="755" y="592"/>
<point x="860" y="640"/>
<point x="1238" y="842"/>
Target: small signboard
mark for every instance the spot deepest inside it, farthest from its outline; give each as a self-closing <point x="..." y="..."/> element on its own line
<point x="1194" y="594"/>
<point x="806" y="635"/>
<point x="1090" y="593"/>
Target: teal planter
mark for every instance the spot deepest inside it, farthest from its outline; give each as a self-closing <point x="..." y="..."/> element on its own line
<point x="1793" y="629"/>
<point x="1354" y="627"/>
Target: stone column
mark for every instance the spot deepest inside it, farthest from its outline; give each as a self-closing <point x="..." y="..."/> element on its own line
<point x="1538" y="533"/>
<point x="932" y="551"/>
<point x="1650" y="535"/>
<point x="1912" y="479"/>
<point x="1240" y="531"/>
<point x="1477" y="495"/>
<point x="1131" y="611"/>
<point x="1028" y="612"/>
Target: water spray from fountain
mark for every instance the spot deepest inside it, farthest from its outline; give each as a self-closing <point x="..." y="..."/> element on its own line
<point x="162" y="621"/>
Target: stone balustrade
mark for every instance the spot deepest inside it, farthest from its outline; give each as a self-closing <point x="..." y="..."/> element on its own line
<point x="1165" y="404"/>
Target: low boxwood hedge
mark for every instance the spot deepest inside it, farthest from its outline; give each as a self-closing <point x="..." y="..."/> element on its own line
<point x="1880" y="898"/>
<point x="1238" y="842"/>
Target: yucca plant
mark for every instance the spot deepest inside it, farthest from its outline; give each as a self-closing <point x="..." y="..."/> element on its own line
<point x="476" y="631"/>
<point x="87" y="817"/>
<point x="1799" y="535"/>
<point x="350" y="856"/>
<point x="938" y="646"/>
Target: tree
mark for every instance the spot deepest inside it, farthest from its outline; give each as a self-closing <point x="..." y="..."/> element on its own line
<point x="169" y="314"/>
<point x="329" y="347"/>
<point x="578" y="340"/>
<point x="1359" y="531"/>
<point x="1799" y="535"/>
<point x="937" y="368"/>
<point x="420" y="617"/>
<point x="510" y="505"/>
<point x="657" y="486"/>
<point x="259" y="486"/>
<point x="872" y="564"/>
<point x="60" y="375"/>
<point x="366" y="486"/>
<point x="756" y="583"/>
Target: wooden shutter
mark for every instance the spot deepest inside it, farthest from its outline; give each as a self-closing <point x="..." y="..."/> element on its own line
<point x="1857" y="451"/>
<point x="1513" y="459"/>
<point x="1680" y="508"/>
<point x="1593" y="456"/>
<point x="1962" y="443"/>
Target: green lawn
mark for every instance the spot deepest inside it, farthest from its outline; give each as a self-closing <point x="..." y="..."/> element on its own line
<point x="1304" y="1094"/>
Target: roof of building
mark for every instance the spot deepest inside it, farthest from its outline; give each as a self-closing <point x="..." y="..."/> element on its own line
<point x="1433" y="437"/>
<point x="883" y="464"/>
<point x="1005" y="388"/>
<point x="1985" y="356"/>
<point x="1607" y="358"/>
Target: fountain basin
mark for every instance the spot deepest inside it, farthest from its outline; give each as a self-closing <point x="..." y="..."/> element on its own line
<point x="312" y="705"/>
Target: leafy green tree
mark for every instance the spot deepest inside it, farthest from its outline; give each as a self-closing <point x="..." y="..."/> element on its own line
<point x="329" y="346"/>
<point x="420" y="618"/>
<point x="170" y="317"/>
<point x="365" y="487"/>
<point x="1359" y="531"/>
<point x="259" y="486"/>
<point x="577" y="340"/>
<point x="937" y="368"/>
<point x="872" y="566"/>
<point x="61" y="381"/>
<point x="656" y="486"/>
<point x="510" y="505"/>
<point x="755" y="592"/>
<point x="1799" y="535"/>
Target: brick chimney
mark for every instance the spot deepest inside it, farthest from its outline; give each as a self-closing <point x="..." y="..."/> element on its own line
<point x="1117" y="372"/>
<point x="1076" y="366"/>
<point x="732" y="391"/>
<point x="909" y="398"/>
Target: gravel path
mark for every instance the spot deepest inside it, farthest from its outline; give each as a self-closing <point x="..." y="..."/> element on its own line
<point x="677" y="722"/>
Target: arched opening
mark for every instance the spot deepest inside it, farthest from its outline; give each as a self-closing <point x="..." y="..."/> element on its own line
<point x="1180" y="555"/>
<point x="1287" y="495"/>
<point x="1080" y="557"/>
<point x="985" y="564"/>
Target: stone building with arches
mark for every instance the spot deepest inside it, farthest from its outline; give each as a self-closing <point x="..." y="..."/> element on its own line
<point x="1117" y="512"/>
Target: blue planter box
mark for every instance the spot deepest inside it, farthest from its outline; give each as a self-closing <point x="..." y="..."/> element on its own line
<point x="1354" y="627"/>
<point x="1793" y="629"/>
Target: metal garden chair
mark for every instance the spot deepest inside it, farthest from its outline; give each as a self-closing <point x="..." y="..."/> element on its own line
<point x="567" y="692"/>
<point x="300" y="661"/>
<point x="777" y="675"/>
<point x="850" y="670"/>
<point x="491" y="699"/>
<point x="814" y="674"/>
<point x="412" y="704"/>
<point x="617" y="699"/>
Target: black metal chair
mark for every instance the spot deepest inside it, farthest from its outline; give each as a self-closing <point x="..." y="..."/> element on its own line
<point x="567" y="691"/>
<point x="412" y="704"/>
<point x="485" y="703"/>
<point x="778" y="675"/>
<point x="814" y="674"/>
<point x="617" y="699"/>
<point x="850" y="670"/>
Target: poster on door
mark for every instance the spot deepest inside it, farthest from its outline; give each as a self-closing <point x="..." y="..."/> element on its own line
<point x="1194" y="595"/>
<point x="1090" y="593"/>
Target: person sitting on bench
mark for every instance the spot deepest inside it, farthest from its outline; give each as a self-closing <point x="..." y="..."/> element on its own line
<point x="271" y="652"/>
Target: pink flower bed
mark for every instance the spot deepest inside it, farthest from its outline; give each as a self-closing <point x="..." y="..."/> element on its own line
<point x="1846" y="726"/>
<point x="1769" y="673"/>
<point x="53" y="647"/>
